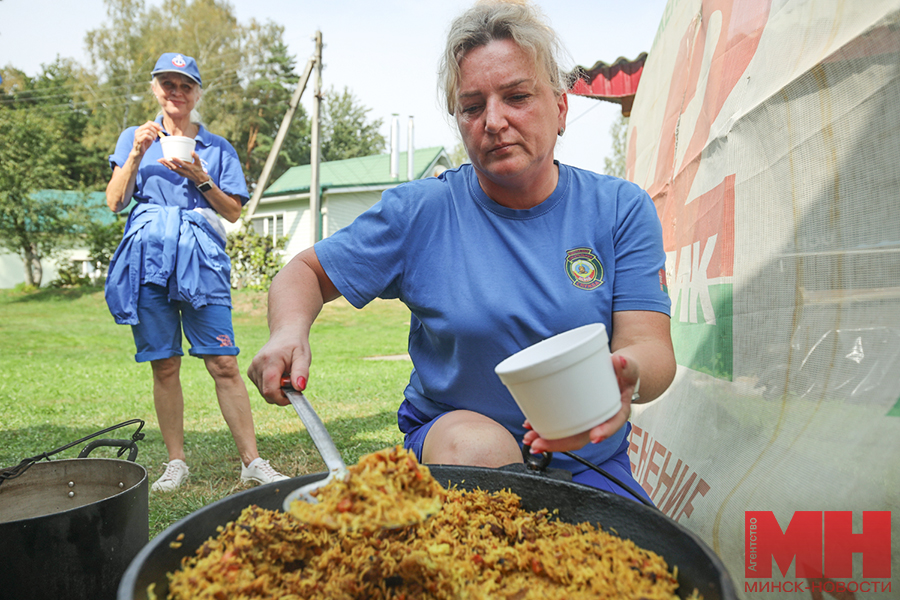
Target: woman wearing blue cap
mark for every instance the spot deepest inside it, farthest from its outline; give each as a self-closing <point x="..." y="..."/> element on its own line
<point x="171" y="271"/>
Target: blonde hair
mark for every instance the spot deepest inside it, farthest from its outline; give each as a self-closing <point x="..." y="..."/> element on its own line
<point x="491" y="20"/>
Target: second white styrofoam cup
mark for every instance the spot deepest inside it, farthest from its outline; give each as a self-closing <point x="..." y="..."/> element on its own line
<point x="564" y="384"/>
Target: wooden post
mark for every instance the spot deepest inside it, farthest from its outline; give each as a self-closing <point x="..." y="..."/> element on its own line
<point x="279" y="138"/>
<point x="315" y="210"/>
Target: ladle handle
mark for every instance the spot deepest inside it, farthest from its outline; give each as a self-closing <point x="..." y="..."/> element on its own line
<point x="316" y="429"/>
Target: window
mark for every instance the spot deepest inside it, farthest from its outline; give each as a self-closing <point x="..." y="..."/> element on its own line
<point x="269" y="225"/>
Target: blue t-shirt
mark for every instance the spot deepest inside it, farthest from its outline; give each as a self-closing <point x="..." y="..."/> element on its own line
<point x="156" y="184"/>
<point x="484" y="281"/>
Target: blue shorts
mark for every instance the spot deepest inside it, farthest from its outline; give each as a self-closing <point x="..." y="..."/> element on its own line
<point x="415" y="426"/>
<point x="158" y="333"/>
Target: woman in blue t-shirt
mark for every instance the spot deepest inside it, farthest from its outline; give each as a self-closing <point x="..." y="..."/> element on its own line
<point x="171" y="272"/>
<point x="486" y="258"/>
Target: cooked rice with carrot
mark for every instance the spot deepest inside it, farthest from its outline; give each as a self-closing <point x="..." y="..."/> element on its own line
<point x="388" y="488"/>
<point x="478" y="545"/>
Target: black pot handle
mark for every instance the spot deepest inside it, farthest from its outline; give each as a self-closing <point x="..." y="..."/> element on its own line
<point x="132" y="447"/>
<point x="25" y="463"/>
<point x="536" y="462"/>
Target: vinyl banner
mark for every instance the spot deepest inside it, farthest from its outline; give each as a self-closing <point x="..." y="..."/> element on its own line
<point x="767" y="133"/>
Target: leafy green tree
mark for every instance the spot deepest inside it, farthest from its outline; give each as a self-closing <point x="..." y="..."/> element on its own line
<point x="32" y="156"/>
<point x="346" y="130"/>
<point x="53" y="95"/>
<point x="117" y="88"/>
<point x="615" y="164"/>
<point x="264" y="103"/>
<point x="102" y="239"/>
<point x="255" y="259"/>
<point x="40" y="149"/>
<point x="459" y="155"/>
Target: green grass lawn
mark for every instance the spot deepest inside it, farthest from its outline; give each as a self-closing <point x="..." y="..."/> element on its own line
<point x="67" y="371"/>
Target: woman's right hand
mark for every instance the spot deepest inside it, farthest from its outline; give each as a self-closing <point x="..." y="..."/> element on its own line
<point x="120" y="188"/>
<point x="296" y="296"/>
<point x="283" y="355"/>
<point x="144" y="136"/>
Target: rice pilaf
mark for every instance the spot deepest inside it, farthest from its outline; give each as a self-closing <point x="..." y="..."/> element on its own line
<point x="478" y="545"/>
<point x="388" y="488"/>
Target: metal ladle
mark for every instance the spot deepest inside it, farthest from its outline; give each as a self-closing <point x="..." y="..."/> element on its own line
<point x="322" y="439"/>
<point x="425" y="506"/>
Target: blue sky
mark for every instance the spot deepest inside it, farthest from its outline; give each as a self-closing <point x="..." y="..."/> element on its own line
<point x="386" y="52"/>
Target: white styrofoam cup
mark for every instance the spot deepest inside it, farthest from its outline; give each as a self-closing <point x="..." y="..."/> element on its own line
<point x="177" y="146"/>
<point x="564" y="384"/>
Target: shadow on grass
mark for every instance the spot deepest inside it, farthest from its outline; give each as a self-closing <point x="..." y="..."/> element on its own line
<point x="53" y="294"/>
<point x="217" y="443"/>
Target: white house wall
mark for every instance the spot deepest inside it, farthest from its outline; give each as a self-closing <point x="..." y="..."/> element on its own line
<point x="342" y="209"/>
<point x="12" y="272"/>
<point x="297" y="227"/>
<point x="338" y="210"/>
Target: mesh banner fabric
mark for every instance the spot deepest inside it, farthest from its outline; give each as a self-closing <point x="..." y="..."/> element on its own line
<point x="767" y="133"/>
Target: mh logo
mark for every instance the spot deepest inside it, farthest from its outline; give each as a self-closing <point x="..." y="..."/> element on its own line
<point x="822" y="543"/>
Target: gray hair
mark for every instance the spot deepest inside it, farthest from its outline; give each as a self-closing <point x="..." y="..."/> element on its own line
<point x="491" y="20"/>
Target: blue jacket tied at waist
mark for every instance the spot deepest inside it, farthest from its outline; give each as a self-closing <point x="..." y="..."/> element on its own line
<point x="162" y="241"/>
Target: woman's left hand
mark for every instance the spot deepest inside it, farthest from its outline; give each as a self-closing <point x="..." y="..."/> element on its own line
<point x="191" y="170"/>
<point x="627" y="375"/>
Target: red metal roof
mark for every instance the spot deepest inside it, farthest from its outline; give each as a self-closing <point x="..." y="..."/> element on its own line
<point x="616" y="82"/>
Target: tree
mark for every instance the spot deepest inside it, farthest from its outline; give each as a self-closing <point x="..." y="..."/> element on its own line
<point x="459" y="155"/>
<point x="255" y="258"/>
<point x="103" y="238"/>
<point x="40" y="131"/>
<point x="53" y="95"/>
<point x="346" y="131"/>
<point x="615" y="165"/>
<point x="266" y="99"/>
<point x="32" y="155"/>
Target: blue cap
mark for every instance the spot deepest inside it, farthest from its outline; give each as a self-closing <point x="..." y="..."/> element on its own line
<point x="172" y="62"/>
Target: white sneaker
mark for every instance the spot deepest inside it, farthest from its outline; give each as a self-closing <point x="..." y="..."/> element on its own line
<point x="176" y="473"/>
<point x="260" y="471"/>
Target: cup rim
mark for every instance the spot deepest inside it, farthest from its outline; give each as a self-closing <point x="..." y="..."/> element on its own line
<point x="553" y="354"/>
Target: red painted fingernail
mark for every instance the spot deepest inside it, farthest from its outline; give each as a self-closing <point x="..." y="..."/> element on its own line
<point x="624" y="362"/>
<point x="301" y="383"/>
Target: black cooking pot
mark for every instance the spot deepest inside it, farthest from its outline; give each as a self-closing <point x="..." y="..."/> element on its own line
<point x="698" y="566"/>
<point x="69" y="528"/>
